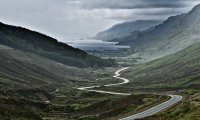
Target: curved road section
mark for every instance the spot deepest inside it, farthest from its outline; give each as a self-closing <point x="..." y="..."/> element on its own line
<point x="117" y="74"/>
<point x="174" y="98"/>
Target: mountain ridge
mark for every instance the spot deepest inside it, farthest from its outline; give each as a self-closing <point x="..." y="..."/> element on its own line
<point x="174" y="34"/>
<point x="31" y="41"/>
<point x="125" y="28"/>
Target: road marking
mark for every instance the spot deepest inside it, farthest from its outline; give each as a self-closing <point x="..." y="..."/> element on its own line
<point x="174" y="99"/>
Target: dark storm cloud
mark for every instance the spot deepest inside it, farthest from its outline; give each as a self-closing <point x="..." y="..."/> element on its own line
<point x="131" y="4"/>
<point x="158" y="9"/>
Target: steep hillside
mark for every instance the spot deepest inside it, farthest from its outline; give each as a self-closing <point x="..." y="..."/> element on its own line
<point x="179" y="70"/>
<point x="174" y="34"/>
<point x="20" y="71"/>
<point x="30" y="41"/>
<point x="125" y="28"/>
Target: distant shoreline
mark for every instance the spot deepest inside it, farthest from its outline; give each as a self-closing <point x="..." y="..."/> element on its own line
<point x="98" y="45"/>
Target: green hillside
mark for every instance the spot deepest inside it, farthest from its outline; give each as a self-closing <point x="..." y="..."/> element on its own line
<point x="181" y="69"/>
<point x="27" y="81"/>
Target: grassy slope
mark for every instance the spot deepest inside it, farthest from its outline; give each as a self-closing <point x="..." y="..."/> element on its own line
<point x="177" y="70"/>
<point x="25" y="70"/>
<point x="16" y="74"/>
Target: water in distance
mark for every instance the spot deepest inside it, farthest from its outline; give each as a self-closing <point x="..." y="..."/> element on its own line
<point x="97" y="45"/>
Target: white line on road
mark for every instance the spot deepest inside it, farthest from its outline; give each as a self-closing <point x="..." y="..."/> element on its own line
<point x="174" y="99"/>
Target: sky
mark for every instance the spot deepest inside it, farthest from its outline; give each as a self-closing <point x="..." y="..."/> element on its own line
<point x="79" y="19"/>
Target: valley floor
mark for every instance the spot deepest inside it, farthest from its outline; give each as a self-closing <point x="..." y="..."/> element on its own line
<point x="103" y="111"/>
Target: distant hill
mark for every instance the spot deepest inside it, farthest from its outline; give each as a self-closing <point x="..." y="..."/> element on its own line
<point x="125" y="28"/>
<point x="43" y="45"/>
<point x="174" y="34"/>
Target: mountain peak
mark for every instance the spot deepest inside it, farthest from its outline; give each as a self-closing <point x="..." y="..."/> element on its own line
<point x="26" y="40"/>
<point x="195" y="11"/>
<point x="196" y="8"/>
<point x="193" y="15"/>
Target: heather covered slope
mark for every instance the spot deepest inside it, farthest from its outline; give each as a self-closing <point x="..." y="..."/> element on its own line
<point x="30" y="41"/>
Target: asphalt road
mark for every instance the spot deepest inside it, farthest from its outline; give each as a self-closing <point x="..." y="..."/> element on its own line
<point x="174" y="98"/>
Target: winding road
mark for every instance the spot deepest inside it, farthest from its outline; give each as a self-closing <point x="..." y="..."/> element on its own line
<point x="108" y="92"/>
<point x="174" y="98"/>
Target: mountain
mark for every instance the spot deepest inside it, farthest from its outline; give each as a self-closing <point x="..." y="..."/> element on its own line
<point x="30" y="41"/>
<point x="125" y="28"/>
<point x="174" y="34"/>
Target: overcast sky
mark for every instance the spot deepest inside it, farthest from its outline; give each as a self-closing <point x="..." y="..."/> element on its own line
<point x="75" y="19"/>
